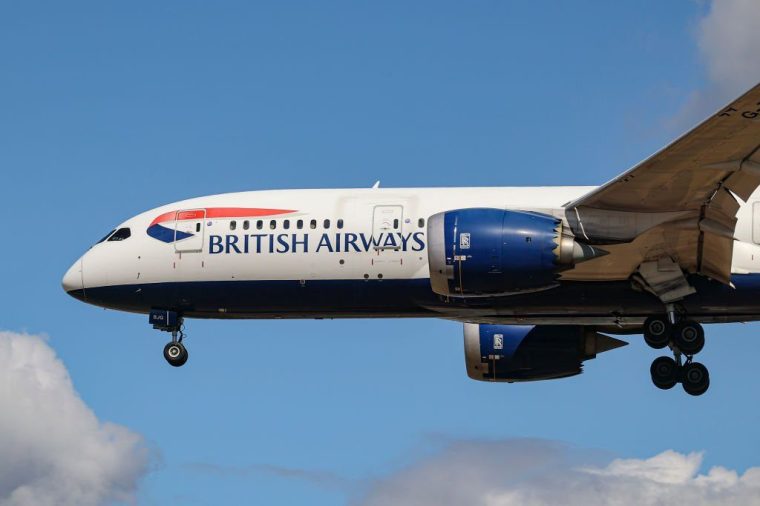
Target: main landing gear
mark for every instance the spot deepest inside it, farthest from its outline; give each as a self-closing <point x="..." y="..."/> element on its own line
<point x="685" y="338"/>
<point x="168" y="321"/>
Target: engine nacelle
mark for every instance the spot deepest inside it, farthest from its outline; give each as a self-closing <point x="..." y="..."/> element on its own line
<point x="476" y="252"/>
<point x="528" y="353"/>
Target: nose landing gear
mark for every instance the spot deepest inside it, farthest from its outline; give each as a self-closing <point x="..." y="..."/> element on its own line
<point x="168" y="321"/>
<point x="686" y="338"/>
<point x="175" y="352"/>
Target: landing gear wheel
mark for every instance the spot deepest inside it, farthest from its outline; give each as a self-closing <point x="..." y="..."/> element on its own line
<point x="689" y="337"/>
<point x="175" y="353"/>
<point x="657" y="331"/>
<point x="664" y="371"/>
<point x="695" y="378"/>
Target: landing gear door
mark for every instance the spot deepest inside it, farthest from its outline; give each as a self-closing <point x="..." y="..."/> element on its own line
<point x="189" y="229"/>
<point x="387" y="221"/>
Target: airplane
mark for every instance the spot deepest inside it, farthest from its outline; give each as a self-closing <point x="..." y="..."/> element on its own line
<point x="542" y="278"/>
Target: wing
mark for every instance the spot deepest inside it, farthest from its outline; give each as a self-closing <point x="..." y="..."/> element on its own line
<point x="678" y="207"/>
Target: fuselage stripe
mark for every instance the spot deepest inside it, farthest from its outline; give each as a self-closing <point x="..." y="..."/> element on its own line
<point x="219" y="212"/>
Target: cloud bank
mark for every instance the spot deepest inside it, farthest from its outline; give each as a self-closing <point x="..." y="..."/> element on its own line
<point x="729" y="42"/>
<point x="53" y="449"/>
<point x="542" y="473"/>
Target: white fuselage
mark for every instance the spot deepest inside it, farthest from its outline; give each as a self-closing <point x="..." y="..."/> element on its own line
<point x="144" y="259"/>
<point x="310" y="235"/>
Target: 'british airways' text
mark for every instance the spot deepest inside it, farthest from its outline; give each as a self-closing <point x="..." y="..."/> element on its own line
<point x="304" y="243"/>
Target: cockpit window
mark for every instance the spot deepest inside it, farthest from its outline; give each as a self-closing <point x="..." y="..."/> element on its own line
<point x="106" y="236"/>
<point x="120" y="235"/>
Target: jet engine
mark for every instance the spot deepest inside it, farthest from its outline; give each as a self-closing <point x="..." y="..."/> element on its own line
<point x="477" y="252"/>
<point x="528" y="353"/>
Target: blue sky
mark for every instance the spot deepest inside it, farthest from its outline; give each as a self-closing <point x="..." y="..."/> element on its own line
<point x="111" y="108"/>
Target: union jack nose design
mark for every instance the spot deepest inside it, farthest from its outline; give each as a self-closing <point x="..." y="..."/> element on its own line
<point x="171" y="233"/>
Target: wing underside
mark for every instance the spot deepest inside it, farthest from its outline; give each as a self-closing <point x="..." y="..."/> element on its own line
<point x="675" y="211"/>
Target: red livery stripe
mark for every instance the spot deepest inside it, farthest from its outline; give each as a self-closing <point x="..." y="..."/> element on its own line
<point x="219" y="212"/>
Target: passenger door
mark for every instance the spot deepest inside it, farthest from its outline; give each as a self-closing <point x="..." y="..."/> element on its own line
<point x="189" y="230"/>
<point x="387" y="219"/>
<point x="387" y="224"/>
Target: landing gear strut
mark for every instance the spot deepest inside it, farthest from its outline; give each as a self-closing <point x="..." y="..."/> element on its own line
<point x="168" y="321"/>
<point x="686" y="338"/>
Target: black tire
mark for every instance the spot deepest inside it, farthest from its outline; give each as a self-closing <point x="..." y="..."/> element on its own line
<point x="695" y="378"/>
<point x="657" y="332"/>
<point x="176" y="354"/>
<point x="689" y="337"/>
<point x="664" y="371"/>
<point x="183" y="357"/>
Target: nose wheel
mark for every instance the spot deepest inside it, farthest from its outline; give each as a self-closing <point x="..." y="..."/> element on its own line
<point x="175" y="352"/>
<point x="169" y="321"/>
<point x="686" y="338"/>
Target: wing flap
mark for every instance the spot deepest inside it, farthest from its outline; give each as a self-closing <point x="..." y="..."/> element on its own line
<point x="742" y="182"/>
<point x="716" y="255"/>
<point x="680" y="203"/>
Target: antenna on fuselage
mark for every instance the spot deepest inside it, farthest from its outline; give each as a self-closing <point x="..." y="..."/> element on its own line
<point x="376" y="185"/>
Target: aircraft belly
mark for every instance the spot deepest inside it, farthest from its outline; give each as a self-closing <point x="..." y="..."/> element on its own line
<point x="595" y="303"/>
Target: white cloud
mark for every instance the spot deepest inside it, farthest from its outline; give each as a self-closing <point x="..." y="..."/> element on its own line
<point x="729" y="43"/>
<point x="538" y="473"/>
<point x="53" y="449"/>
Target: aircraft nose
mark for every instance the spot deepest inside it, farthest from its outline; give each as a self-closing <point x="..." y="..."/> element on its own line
<point x="72" y="280"/>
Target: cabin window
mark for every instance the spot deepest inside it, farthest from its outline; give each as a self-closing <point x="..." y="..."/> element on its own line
<point x="259" y="224"/>
<point x="286" y="224"/>
<point x="272" y="224"/>
<point x="120" y="235"/>
<point x="233" y="225"/>
<point x="299" y="224"/>
<point x="421" y="223"/>
<point x="198" y="227"/>
<point x="246" y="225"/>
<point x="340" y="223"/>
<point x="106" y="236"/>
<point x="395" y="224"/>
<point x="313" y="224"/>
<point x="326" y="224"/>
